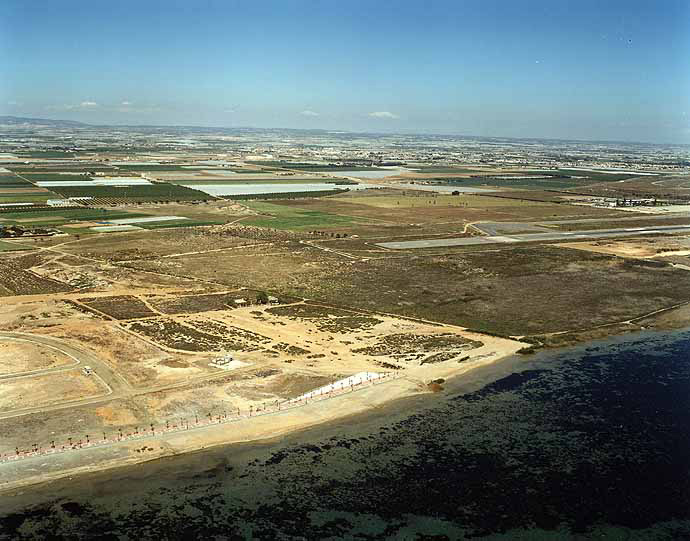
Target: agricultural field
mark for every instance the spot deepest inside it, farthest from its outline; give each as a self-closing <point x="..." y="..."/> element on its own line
<point x="12" y="181"/>
<point x="203" y="335"/>
<point x="63" y="216"/>
<point x="193" y="304"/>
<point x="668" y="187"/>
<point x="13" y="246"/>
<point x="62" y="168"/>
<point x="118" y="307"/>
<point x="547" y="183"/>
<point x="45" y="154"/>
<point x="315" y="166"/>
<point x="61" y="177"/>
<point x="447" y="170"/>
<point x="406" y="212"/>
<point x="133" y="194"/>
<point x="326" y="318"/>
<point x="285" y="217"/>
<point x="152" y="167"/>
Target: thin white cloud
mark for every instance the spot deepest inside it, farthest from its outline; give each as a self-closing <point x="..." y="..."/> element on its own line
<point x="383" y="114"/>
<point x="84" y="105"/>
<point x="309" y="113"/>
<point x="126" y="103"/>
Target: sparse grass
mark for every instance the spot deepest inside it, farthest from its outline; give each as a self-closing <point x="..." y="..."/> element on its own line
<point x="283" y="217"/>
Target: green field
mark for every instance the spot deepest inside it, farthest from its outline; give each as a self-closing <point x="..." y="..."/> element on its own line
<point x="64" y="216"/>
<point x="33" y="168"/>
<point x="447" y="169"/>
<point x="65" y="177"/>
<point x="158" y="167"/>
<point x="13" y="181"/>
<point x="284" y="195"/>
<point x="283" y="217"/>
<point x="593" y="176"/>
<point x="317" y="167"/>
<point x="12" y="247"/>
<point x="152" y="192"/>
<point x="536" y="184"/>
<point x="28" y="197"/>
<point x="179" y="223"/>
<point x="45" y="154"/>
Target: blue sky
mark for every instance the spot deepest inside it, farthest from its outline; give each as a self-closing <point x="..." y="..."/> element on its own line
<point x="609" y="70"/>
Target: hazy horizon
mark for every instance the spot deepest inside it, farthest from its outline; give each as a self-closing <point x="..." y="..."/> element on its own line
<point x="353" y="132"/>
<point x="617" y="72"/>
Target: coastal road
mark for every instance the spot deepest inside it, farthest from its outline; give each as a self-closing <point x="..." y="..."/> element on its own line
<point x="537" y="237"/>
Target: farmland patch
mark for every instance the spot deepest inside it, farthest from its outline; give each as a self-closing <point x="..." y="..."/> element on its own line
<point x="119" y="307"/>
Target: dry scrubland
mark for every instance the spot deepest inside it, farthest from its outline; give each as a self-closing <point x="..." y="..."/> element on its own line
<point x="162" y="359"/>
<point x="517" y="291"/>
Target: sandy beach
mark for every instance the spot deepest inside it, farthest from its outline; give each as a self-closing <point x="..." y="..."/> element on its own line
<point x="413" y="381"/>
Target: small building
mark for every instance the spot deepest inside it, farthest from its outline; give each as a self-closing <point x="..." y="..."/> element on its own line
<point x="241" y="302"/>
<point x="273" y="300"/>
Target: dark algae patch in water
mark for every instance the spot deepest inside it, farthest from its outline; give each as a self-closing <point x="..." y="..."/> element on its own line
<point x="592" y="443"/>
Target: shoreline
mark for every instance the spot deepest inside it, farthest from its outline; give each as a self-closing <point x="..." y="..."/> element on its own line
<point x="203" y="463"/>
<point x="265" y="428"/>
<point x="408" y="383"/>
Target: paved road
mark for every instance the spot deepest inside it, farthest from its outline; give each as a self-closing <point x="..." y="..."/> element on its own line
<point x="510" y="228"/>
<point x="536" y="237"/>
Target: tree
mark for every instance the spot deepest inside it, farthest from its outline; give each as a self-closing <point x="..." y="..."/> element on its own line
<point x="262" y="297"/>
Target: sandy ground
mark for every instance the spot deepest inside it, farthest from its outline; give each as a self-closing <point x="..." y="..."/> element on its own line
<point x="17" y="357"/>
<point x="41" y="469"/>
<point x="41" y="390"/>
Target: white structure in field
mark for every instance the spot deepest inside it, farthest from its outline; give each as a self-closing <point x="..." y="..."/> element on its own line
<point x="62" y="203"/>
<point x="227" y="362"/>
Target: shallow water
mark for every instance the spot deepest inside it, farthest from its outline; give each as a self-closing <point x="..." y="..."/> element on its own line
<point x="587" y="443"/>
